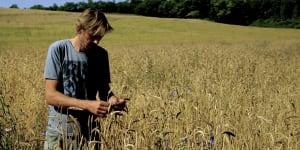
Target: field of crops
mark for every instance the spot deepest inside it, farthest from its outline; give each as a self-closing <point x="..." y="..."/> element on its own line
<point x="193" y="84"/>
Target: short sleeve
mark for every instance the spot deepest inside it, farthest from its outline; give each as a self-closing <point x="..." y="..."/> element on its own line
<point x="53" y="63"/>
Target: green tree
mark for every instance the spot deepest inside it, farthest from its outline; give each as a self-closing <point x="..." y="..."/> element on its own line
<point x="82" y="6"/>
<point x="70" y="6"/>
<point x="37" y="7"/>
<point x="296" y="10"/>
<point x="148" y="8"/>
<point x="54" y="7"/>
<point x="287" y="8"/>
<point x="14" y="6"/>
<point x="110" y="7"/>
<point x="230" y="11"/>
<point x="166" y="9"/>
<point x="124" y="7"/>
<point x="203" y="6"/>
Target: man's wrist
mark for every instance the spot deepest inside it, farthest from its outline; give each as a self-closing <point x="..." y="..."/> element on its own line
<point x="79" y="105"/>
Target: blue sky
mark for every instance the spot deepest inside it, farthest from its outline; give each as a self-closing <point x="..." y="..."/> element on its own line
<point x="46" y="3"/>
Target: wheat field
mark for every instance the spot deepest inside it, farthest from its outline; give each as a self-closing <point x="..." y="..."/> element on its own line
<point x="193" y="84"/>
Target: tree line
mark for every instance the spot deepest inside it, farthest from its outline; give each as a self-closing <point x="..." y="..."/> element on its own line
<point x="275" y="13"/>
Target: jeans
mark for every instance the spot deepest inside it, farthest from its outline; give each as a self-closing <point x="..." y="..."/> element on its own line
<point x="70" y="131"/>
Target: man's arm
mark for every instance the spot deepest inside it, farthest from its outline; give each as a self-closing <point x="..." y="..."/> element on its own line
<point x="56" y="98"/>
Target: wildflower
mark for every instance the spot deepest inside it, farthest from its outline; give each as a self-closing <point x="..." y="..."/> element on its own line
<point x="7" y="129"/>
<point x="184" y="139"/>
<point x="212" y="139"/>
<point x="9" y="117"/>
<point x="174" y="93"/>
<point x="167" y="146"/>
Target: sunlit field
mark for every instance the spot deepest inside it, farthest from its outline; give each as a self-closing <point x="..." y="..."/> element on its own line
<point x="192" y="84"/>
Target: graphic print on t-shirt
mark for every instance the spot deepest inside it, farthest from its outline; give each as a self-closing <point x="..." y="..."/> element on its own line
<point x="74" y="79"/>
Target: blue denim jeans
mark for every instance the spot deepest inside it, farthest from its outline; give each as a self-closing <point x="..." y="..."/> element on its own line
<point x="60" y="130"/>
<point x="69" y="130"/>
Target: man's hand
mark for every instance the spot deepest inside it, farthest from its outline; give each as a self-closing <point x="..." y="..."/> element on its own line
<point x="117" y="104"/>
<point x="99" y="108"/>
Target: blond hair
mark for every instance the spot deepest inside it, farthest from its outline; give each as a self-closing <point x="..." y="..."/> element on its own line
<point x="94" y="20"/>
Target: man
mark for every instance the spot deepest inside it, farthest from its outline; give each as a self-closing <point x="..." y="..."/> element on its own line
<point x="76" y="71"/>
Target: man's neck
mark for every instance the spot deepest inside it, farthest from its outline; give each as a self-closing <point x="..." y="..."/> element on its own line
<point x="76" y="44"/>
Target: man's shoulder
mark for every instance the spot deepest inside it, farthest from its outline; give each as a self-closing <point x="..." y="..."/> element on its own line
<point x="60" y="43"/>
<point x="60" y="46"/>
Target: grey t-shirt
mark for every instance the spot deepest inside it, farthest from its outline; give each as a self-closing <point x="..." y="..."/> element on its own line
<point x="80" y="75"/>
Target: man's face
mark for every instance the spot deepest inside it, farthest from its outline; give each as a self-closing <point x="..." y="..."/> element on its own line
<point x="88" y="39"/>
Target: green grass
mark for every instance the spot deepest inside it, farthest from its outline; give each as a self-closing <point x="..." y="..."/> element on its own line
<point x="187" y="80"/>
